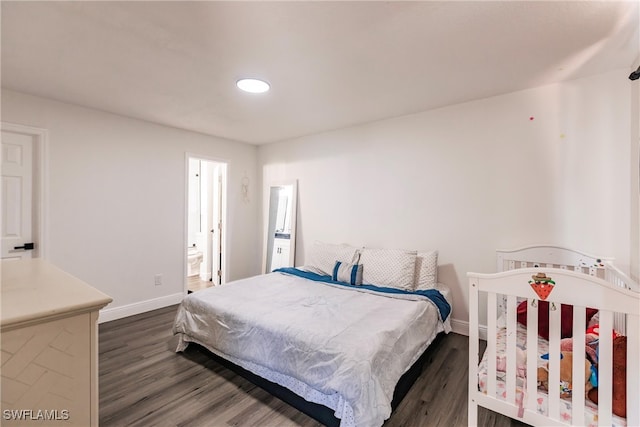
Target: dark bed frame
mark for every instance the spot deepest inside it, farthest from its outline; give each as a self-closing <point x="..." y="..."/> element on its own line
<point x="316" y="411"/>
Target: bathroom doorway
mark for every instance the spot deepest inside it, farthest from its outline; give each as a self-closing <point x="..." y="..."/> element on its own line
<point x="206" y="219"/>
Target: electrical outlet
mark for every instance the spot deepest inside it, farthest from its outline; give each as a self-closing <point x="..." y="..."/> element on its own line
<point x="158" y="279"/>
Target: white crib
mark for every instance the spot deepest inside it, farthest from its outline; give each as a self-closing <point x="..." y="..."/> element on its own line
<point x="582" y="281"/>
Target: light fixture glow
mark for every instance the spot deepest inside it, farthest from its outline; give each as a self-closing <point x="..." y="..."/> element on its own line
<point x="253" y="85"/>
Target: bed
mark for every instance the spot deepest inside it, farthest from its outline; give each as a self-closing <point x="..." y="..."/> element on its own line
<point x="544" y="303"/>
<point x="334" y="344"/>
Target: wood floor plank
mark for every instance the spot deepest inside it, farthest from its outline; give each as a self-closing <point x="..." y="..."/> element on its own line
<point x="143" y="382"/>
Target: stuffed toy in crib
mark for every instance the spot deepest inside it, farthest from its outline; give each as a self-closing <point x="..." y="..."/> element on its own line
<point x="566" y="375"/>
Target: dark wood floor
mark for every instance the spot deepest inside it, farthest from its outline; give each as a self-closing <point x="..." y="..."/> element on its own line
<point x="143" y="382"/>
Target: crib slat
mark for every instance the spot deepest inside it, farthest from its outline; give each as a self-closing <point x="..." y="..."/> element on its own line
<point x="633" y="370"/>
<point x="605" y="368"/>
<point x="492" y="331"/>
<point x="511" y="349"/>
<point x="554" y="361"/>
<point x="578" y="393"/>
<point x="532" y="357"/>
<point x="474" y="354"/>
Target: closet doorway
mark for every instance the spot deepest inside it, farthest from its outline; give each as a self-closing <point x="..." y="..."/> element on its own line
<point x="206" y="222"/>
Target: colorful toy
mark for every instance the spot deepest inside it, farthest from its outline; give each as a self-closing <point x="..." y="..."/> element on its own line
<point x="590" y="348"/>
<point x="542" y="285"/>
<point x="595" y="331"/>
<point x="566" y="375"/>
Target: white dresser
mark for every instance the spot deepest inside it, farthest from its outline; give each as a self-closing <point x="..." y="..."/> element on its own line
<point x="49" y="343"/>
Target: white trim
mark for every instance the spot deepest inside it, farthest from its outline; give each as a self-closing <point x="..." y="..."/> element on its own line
<point x="41" y="181"/>
<point x="109" y="314"/>
<point x="462" y="327"/>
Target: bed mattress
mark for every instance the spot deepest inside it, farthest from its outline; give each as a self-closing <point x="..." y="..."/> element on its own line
<point x="343" y="348"/>
<point x="591" y="409"/>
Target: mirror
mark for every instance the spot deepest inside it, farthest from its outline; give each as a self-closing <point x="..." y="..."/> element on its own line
<point x="280" y="223"/>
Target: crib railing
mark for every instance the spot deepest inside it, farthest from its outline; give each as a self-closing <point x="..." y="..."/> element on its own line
<point x="552" y="256"/>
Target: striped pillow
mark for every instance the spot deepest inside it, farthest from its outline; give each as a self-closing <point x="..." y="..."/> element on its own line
<point x="347" y="273"/>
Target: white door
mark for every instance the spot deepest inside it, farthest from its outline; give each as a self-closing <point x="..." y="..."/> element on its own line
<point x="213" y="173"/>
<point x="17" y="194"/>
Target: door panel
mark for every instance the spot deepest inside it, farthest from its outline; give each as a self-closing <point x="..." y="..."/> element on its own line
<point x="17" y="193"/>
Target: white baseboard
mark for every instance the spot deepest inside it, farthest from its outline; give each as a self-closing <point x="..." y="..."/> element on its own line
<point x="115" y="313"/>
<point x="462" y="327"/>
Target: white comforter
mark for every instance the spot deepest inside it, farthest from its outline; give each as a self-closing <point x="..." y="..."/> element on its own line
<point x="335" y="340"/>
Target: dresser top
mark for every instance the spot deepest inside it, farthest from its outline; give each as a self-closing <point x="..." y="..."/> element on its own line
<point x="34" y="290"/>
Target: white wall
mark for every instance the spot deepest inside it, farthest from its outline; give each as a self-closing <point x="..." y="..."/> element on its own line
<point x="470" y="178"/>
<point x="116" y="212"/>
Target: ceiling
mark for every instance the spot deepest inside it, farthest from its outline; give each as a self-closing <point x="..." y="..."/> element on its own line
<point x="330" y="64"/>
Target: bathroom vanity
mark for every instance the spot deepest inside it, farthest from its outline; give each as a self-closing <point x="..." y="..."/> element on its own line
<point x="49" y="346"/>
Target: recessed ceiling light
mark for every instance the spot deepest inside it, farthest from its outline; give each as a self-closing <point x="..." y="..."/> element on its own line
<point x="253" y="85"/>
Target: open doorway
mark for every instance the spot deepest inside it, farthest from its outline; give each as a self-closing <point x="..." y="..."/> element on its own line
<point x="206" y="201"/>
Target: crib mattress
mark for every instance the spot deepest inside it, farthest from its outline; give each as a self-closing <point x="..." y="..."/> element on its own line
<point x="591" y="409"/>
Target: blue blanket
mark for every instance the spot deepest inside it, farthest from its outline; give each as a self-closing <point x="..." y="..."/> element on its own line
<point x="432" y="294"/>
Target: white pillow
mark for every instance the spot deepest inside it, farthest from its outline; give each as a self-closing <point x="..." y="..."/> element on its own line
<point x="426" y="270"/>
<point x="395" y="268"/>
<point x="323" y="256"/>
